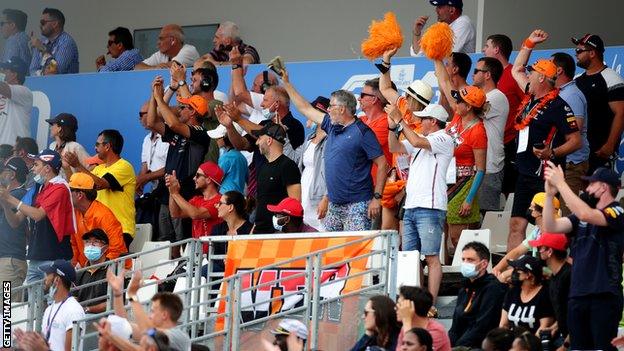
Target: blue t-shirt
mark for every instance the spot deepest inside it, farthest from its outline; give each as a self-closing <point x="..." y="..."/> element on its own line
<point x="349" y="152"/>
<point x="597" y="253"/>
<point x="13" y="240"/>
<point x="574" y="97"/>
<point x="234" y="166"/>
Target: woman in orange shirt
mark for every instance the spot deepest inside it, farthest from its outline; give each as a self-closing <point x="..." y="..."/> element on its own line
<point x="470" y="140"/>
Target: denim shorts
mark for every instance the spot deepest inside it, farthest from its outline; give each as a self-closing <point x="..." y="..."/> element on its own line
<point x="423" y="229"/>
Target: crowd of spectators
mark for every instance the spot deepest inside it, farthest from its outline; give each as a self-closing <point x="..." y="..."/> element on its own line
<point x="240" y="163"/>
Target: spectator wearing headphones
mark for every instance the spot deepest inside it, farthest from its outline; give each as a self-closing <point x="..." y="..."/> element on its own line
<point x="120" y="47"/>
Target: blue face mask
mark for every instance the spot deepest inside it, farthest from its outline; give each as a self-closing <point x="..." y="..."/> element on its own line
<point x="92" y="253"/>
<point x="38" y="178"/>
<point x="469" y="270"/>
<point x="267" y="113"/>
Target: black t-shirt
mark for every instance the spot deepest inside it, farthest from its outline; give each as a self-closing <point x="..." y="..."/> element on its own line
<point x="13" y="240"/>
<point x="93" y="291"/>
<point x="294" y="131"/>
<point x="559" y="289"/>
<point x="220" y="248"/>
<point x="273" y="178"/>
<point x="184" y="157"/>
<point x="600" y="89"/>
<point x="597" y="253"/>
<point x="556" y="117"/>
<point x="527" y="314"/>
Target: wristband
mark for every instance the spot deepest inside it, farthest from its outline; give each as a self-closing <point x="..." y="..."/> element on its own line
<point x="383" y="69"/>
<point x="19" y="206"/>
<point x="387" y="64"/>
<point x="528" y="44"/>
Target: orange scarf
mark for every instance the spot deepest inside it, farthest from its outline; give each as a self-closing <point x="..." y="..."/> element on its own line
<point x="521" y="123"/>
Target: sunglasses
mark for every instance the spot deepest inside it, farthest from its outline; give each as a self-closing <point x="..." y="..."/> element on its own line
<point x="218" y="204"/>
<point x="579" y="51"/>
<point x="199" y="175"/>
<point x="476" y="70"/>
<point x="363" y="95"/>
<point x="43" y="22"/>
<point x="110" y="42"/>
<point x="141" y="114"/>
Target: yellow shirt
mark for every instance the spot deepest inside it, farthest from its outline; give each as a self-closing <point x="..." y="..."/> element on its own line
<point x="119" y="198"/>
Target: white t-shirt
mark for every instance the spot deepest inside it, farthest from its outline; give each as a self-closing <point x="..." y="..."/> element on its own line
<point x="187" y="56"/>
<point x="75" y="148"/>
<point x="15" y="114"/>
<point x="465" y="38"/>
<point x="494" y="122"/>
<point x="426" y="184"/>
<point x="154" y="152"/>
<point x="60" y="322"/>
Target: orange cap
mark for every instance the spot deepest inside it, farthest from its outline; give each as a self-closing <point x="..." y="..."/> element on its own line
<point x="81" y="181"/>
<point x="198" y="103"/>
<point x="545" y="67"/>
<point x="471" y="95"/>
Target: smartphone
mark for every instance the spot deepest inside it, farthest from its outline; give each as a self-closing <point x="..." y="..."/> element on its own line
<point x="539" y="146"/>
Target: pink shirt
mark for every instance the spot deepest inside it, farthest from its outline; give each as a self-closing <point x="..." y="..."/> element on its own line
<point x="441" y="341"/>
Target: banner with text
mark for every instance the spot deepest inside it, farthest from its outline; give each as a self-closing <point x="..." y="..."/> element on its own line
<point x="247" y="255"/>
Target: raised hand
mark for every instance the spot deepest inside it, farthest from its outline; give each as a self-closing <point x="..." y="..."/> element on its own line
<point x="419" y="24"/>
<point x="538" y="36"/>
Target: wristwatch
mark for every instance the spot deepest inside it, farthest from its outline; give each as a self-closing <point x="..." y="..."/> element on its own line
<point x="181" y="83"/>
<point x="236" y="66"/>
<point x="377" y="195"/>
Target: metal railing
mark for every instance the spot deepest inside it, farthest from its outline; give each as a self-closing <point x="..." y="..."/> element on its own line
<point x="201" y="298"/>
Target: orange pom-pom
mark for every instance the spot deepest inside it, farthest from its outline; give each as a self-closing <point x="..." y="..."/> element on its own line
<point x="437" y="41"/>
<point x="382" y="36"/>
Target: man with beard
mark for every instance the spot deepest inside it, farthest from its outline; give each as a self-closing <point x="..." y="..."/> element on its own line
<point x="57" y="53"/>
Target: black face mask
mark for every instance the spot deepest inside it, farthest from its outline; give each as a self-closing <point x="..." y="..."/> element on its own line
<point x="515" y="279"/>
<point x="530" y="218"/>
<point x="590" y="200"/>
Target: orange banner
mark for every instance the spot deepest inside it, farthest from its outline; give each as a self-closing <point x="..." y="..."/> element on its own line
<point x="247" y="255"/>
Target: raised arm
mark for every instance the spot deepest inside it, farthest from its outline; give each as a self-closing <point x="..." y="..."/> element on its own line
<point x="385" y="82"/>
<point x="300" y="102"/>
<point x="153" y="122"/>
<point x="10" y="202"/>
<point x="444" y="83"/>
<point x="170" y="118"/>
<point x="239" y="88"/>
<point x="238" y="141"/>
<point x="518" y="70"/>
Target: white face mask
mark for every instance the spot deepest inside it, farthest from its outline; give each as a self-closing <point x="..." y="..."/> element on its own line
<point x="267" y="114"/>
<point x="276" y="224"/>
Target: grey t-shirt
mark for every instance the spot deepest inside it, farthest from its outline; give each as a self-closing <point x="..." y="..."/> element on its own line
<point x="178" y="339"/>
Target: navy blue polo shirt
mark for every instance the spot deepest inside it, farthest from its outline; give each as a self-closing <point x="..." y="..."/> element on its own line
<point x="597" y="253"/>
<point x="349" y="155"/>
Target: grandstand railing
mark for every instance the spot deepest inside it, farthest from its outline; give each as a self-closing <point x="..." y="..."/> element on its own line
<point x="200" y="297"/>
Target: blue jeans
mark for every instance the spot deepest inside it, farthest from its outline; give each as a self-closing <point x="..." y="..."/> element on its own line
<point x="423" y="229"/>
<point x="33" y="273"/>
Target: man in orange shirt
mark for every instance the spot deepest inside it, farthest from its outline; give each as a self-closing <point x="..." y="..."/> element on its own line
<point x="91" y="214"/>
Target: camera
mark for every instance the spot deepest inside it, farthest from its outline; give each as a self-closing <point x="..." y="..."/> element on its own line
<point x="545" y="339"/>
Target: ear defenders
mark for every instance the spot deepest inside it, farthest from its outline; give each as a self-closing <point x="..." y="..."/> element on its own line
<point x="266" y="83"/>
<point x="210" y="79"/>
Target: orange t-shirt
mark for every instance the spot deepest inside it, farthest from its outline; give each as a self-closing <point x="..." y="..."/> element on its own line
<point x="474" y="137"/>
<point x="380" y="128"/>
<point x="98" y="216"/>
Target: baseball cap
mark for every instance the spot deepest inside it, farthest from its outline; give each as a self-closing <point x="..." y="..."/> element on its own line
<point x="455" y="3"/>
<point x="120" y="326"/>
<point x="321" y="103"/>
<point x="15" y="64"/>
<point x="527" y="263"/>
<point x="81" y="181"/>
<point x="272" y="129"/>
<point x="287" y="326"/>
<point x="471" y="95"/>
<point x="555" y="241"/>
<point x="96" y="233"/>
<point x="64" y="119"/>
<point x="433" y="111"/>
<point x="604" y="175"/>
<point x="591" y="40"/>
<point x="61" y="267"/>
<point x="198" y="103"/>
<point x="212" y="171"/>
<point x="545" y="67"/>
<point x="51" y="158"/>
<point x="17" y="165"/>
<point x="420" y="91"/>
<point x="289" y="206"/>
<point x="221" y="131"/>
<point x="540" y="199"/>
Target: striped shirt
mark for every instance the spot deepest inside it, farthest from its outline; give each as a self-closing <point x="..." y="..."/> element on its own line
<point x="125" y="62"/>
<point x="17" y="45"/>
<point x="62" y="49"/>
<point x="224" y="56"/>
